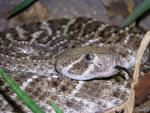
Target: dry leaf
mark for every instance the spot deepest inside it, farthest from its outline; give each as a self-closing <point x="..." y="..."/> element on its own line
<point x="142" y="89"/>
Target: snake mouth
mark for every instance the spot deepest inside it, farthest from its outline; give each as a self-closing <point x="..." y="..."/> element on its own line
<point x="56" y="67"/>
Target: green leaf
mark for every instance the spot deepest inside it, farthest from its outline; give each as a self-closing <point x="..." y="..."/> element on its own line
<point x="55" y="107"/>
<point x="20" y="93"/>
<point x="144" y="6"/>
<point x="20" y="7"/>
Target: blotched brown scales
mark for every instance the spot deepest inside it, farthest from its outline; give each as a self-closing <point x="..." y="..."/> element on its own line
<point x="54" y="59"/>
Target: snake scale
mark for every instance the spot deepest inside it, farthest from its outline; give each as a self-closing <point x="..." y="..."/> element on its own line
<point x="71" y="61"/>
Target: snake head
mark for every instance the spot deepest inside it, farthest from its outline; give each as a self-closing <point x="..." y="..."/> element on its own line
<point x="87" y="63"/>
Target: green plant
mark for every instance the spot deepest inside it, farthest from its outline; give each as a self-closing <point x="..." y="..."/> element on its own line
<point x="23" y="95"/>
<point x="20" y="93"/>
<point x="141" y="9"/>
<point x="55" y="107"/>
<point x="21" y="7"/>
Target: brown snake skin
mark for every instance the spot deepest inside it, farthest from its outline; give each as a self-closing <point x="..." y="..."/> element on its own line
<point x="28" y="53"/>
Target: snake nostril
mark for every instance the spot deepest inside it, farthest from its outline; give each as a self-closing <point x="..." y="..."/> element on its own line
<point x="100" y="65"/>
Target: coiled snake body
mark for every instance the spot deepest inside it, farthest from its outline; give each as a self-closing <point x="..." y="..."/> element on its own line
<point x="54" y="59"/>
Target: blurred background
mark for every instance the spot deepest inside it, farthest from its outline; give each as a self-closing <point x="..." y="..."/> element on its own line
<point x="108" y="11"/>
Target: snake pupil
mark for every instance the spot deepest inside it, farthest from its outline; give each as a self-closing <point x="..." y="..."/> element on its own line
<point x="88" y="57"/>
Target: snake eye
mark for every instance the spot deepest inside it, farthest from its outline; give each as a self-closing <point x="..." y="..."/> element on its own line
<point x="89" y="57"/>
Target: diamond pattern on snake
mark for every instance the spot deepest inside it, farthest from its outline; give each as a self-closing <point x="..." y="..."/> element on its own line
<point x="71" y="61"/>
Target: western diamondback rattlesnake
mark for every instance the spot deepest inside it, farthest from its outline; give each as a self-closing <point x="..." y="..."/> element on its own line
<point x="38" y="54"/>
